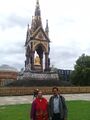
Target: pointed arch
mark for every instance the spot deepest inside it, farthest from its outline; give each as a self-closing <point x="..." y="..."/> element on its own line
<point x="41" y="46"/>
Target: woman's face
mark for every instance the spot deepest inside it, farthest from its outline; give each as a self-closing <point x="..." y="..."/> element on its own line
<point x="40" y="94"/>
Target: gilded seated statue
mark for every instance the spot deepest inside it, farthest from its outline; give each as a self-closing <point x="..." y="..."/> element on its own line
<point x="37" y="60"/>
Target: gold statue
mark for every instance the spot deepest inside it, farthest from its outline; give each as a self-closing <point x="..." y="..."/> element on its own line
<point x="37" y="60"/>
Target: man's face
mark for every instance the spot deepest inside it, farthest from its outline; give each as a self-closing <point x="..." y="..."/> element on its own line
<point x="55" y="91"/>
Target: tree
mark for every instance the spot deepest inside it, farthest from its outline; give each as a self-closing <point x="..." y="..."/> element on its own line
<point x="81" y="73"/>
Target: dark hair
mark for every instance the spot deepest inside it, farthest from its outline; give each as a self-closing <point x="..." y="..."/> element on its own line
<point x="35" y="92"/>
<point x="55" y="88"/>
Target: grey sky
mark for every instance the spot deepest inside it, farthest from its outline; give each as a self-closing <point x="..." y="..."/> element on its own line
<point x="69" y="23"/>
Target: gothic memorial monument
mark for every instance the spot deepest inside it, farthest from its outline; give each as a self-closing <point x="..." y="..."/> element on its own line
<point x="37" y="63"/>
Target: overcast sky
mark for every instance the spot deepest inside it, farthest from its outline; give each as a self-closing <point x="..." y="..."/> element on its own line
<point x="69" y="26"/>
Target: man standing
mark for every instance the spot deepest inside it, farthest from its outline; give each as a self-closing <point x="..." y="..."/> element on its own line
<point x="57" y="106"/>
<point x="39" y="109"/>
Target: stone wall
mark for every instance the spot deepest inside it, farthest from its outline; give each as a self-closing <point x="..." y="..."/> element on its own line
<point x="46" y="90"/>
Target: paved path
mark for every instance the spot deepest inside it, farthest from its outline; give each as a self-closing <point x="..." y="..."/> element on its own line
<point x="28" y="99"/>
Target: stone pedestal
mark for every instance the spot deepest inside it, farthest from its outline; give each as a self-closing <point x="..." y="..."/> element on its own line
<point x="40" y="75"/>
<point x="38" y="68"/>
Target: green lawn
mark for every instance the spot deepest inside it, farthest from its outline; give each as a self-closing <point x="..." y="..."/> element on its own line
<point x="77" y="110"/>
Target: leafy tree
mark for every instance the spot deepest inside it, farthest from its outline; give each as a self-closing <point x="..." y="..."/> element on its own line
<point x="81" y="73"/>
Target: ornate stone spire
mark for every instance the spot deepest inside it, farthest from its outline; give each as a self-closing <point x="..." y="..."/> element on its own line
<point x="47" y="28"/>
<point x="32" y="25"/>
<point x="36" y="19"/>
<point x="27" y="34"/>
<point x="37" y="10"/>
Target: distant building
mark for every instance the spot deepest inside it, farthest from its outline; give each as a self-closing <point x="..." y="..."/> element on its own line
<point x="7" y="74"/>
<point x="64" y="74"/>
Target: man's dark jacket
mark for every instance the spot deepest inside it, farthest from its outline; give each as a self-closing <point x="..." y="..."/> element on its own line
<point x="62" y="107"/>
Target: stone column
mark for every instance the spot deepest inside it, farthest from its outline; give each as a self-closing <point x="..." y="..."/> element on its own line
<point x="32" y="61"/>
<point x="26" y="62"/>
<point x="41" y="64"/>
<point x="41" y="61"/>
<point x="46" y="61"/>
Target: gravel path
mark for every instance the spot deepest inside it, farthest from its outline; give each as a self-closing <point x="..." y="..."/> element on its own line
<point x="28" y="99"/>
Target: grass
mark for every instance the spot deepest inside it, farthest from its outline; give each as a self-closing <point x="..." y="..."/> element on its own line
<point x="77" y="110"/>
<point x="15" y="112"/>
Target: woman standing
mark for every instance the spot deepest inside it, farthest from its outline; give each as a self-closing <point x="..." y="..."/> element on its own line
<point x="39" y="109"/>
